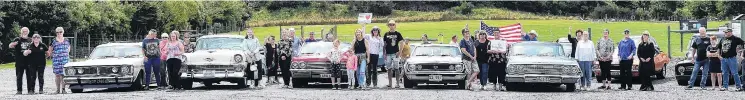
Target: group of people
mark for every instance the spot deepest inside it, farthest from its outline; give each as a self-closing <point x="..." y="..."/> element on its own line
<point x="716" y="58"/>
<point x="31" y="55"/>
<point x="484" y="59"/>
<point x="166" y="52"/>
<point x="365" y="51"/>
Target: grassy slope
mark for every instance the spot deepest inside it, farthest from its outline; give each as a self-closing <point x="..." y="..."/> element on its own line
<point x="548" y="30"/>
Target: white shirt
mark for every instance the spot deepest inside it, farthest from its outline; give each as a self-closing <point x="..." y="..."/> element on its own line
<point x="253" y="47"/>
<point x="375" y="44"/>
<point x="587" y="49"/>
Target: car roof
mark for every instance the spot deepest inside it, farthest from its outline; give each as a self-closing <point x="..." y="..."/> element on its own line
<point x="121" y="44"/>
<point x="536" y="42"/>
<point x="222" y="35"/>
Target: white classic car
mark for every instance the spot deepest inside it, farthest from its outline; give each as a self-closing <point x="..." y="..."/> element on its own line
<point x="112" y="65"/>
<point x="435" y="63"/>
<point x="218" y="58"/>
<point x="540" y="63"/>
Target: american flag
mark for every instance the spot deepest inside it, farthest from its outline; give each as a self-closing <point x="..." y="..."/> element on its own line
<point x="510" y="33"/>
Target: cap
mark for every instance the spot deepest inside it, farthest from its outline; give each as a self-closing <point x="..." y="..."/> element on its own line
<point x="391" y="22"/>
<point x="728" y="30"/>
<point x="626" y="31"/>
<point x="533" y="32"/>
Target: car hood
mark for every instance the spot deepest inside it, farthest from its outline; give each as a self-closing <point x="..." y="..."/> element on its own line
<point x="541" y="60"/>
<point x="434" y="59"/>
<point x="213" y="56"/>
<point x="314" y="58"/>
<point x="108" y="61"/>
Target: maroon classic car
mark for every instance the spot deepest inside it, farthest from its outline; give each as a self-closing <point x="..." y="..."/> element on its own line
<point x="312" y="66"/>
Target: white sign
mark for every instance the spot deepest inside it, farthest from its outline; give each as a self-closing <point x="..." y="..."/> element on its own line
<point x="364" y="18"/>
<point x="736" y="29"/>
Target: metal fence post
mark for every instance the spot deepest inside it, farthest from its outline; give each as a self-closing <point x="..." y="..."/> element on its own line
<point x="668" y="42"/>
<point x="589" y="32"/>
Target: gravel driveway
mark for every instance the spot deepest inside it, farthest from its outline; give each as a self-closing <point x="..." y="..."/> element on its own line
<point x="666" y="89"/>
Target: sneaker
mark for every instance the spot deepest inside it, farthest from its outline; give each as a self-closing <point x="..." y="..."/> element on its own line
<point x="31" y="92"/>
<point x="19" y="92"/>
<point x="703" y="88"/>
<point x="689" y="88"/>
<point x="722" y="89"/>
<point x="602" y="87"/>
<point x="739" y="89"/>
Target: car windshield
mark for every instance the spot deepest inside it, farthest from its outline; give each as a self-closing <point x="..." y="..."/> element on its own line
<point x="221" y="43"/>
<point x="116" y="52"/>
<point x="436" y="51"/>
<point x="321" y="47"/>
<point x="536" y="50"/>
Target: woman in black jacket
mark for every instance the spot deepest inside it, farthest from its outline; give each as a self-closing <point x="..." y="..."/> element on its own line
<point x="646" y="52"/>
<point x="271" y="63"/>
<point x="38" y="61"/>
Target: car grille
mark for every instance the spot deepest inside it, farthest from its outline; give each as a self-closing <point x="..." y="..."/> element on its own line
<point x="96" y="70"/>
<point x="543" y="69"/>
<point x="436" y="68"/>
<point x="323" y="66"/>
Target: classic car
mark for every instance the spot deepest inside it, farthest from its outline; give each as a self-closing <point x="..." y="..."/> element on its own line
<point x="434" y="64"/>
<point x="566" y="45"/>
<point x="218" y="58"/>
<point x="111" y="65"/>
<point x="540" y="63"/>
<point x="616" y="68"/>
<point x="313" y="65"/>
<point x="684" y="69"/>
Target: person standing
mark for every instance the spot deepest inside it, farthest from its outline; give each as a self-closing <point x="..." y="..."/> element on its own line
<point x="469" y="59"/>
<point x="498" y="59"/>
<point x="587" y="47"/>
<point x="351" y="65"/>
<point x="425" y="39"/>
<point x="174" y="50"/>
<point x="188" y="46"/>
<point x="152" y="61"/>
<point x="532" y="36"/>
<point x="604" y="54"/>
<point x="454" y="40"/>
<point x="376" y="47"/>
<point x="38" y="60"/>
<point x="646" y="66"/>
<point x="573" y="40"/>
<point x="285" y="53"/>
<point x="626" y="52"/>
<point x="163" y="57"/>
<point x="311" y="37"/>
<point x="270" y="58"/>
<point x="21" y="44"/>
<point x="60" y="53"/>
<point x="482" y="47"/>
<point x="296" y="43"/>
<point x="701" y="61"/>
<point x="253" y="45"/>
<point x="361" y="50"/>
<point x="728" y="46"/>
<point x="392" y="39"/>
<point x="714" y="64"/>
<point x="334" y="57"/>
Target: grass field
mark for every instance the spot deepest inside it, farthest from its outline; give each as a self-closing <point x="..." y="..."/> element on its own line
<point x="548" y="30"/>
<point x="12" y="65"/>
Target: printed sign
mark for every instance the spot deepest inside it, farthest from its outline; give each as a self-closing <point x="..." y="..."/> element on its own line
<point x="364" y="18"/>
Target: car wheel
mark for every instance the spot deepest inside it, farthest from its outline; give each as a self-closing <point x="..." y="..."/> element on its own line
<point x="242" y="82"/>
<point x="76" y="90"/>
<point x="511" y="86"/>
<point x="682" y="82"/>
<point x="187" y="84"/>
<point x="207" y="84"/>
<point x="298" y="83"/>
<point x="409" y="84"/>
<point x="571" y="87"/>
<point x="661" y="74"/>
<point x="139" y="82"/>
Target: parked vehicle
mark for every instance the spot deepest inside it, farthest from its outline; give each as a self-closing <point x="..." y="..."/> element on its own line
<point x="111" y="65"/>
<point x="313" y="65"/>
<point x="566" y="45"/>
<point x="616" y="68"/>
<point x="435" y="64"/>
<point x="218" y="58"/>
<point x="540" y="63"/>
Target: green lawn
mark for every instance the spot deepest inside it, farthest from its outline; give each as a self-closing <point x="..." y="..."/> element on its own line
<point x="548" y="30"/>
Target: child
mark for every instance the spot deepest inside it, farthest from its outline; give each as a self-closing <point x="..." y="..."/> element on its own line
<point x="715" y="67"/>
<point x="351" y="65"/>
<point x="335" y="58"/>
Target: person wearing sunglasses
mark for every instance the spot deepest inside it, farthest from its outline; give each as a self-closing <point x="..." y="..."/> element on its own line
<point x="37" y="61"/>
<point x="20" y="44"/>
<point x="392" y="39"/>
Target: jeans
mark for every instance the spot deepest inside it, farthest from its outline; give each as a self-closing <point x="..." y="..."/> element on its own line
<point x="484" y="74"/>
<point x="586" y="67"/>
<point x="704" y="75"/>
<point x="350" y="77"/>
<point x="729" y="67"/>
<point x="362" y="67"/>
<point x="152" y="66"/>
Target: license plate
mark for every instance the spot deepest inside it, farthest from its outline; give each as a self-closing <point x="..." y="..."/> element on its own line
<point x="615" y="73"/>
<point x="208" y="73"/>
<point x="325" y="75"/>
<point x="98" y="81"/>
<point x="541" y="79"/>
<point x="435" y="78"/>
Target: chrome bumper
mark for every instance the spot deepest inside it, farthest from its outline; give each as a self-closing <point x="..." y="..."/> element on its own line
<point x="425" y="76"/>
<point x="216" y="75"/>
<point x="77" y="82"/>
<point x="313" y="73"/>
<point x="542" y="78"/>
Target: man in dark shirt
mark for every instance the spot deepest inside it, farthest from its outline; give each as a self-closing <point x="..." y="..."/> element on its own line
<point x="392" y="39"/>
<point x="20" y="44"/>
<point x="728" y="46"/>
<point x="150" y="46"/>
<point x="699" y="55"/>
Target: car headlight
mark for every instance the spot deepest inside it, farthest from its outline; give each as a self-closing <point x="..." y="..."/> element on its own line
<point x="298" y="65"/>
<point x="571" y="69"/>
<point x="681" y="69"/>
<point x="114" y="70"/>
<point x="79" y="70"/>
<point x="239" y="67"/>
<point x="237" y="58"/>
<point x="459" y="67"/>
<point x="126" y="69"/>
<point x="410" y="67"/>
<point x="69" y="71"/>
